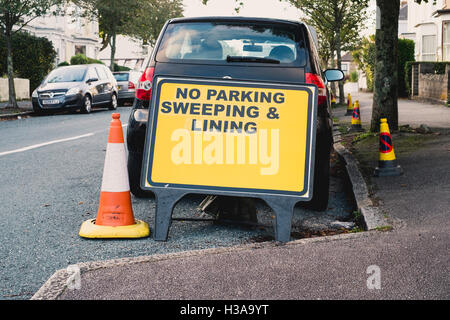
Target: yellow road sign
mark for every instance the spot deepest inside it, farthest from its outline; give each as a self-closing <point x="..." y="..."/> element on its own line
<point x="237" y="137"/>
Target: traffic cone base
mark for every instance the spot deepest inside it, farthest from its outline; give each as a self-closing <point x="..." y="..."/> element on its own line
<point x="91" y="230"/>
<point x="115" y="217"/>
<point x="388" y="170"/>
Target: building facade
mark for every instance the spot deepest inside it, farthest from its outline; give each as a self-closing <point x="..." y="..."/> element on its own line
<point x="69" y="33"/>
<point x="430" y="25"/>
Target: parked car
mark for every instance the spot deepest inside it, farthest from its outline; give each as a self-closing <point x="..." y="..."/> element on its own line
<point x="238" y="48"/>
<point x="78" y="87"/>
<point x="126" y="85"/>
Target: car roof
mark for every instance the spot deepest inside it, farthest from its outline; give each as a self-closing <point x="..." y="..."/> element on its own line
<point x="234" y="18"/>
<point x="83" y="65"/>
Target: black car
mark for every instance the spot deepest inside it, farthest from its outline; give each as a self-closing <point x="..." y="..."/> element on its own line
<point x="78" y="87"/>
<point x="237" y="48"/>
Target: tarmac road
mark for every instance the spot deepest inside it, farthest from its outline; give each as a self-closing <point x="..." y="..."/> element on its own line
<point x="51" y="172"/>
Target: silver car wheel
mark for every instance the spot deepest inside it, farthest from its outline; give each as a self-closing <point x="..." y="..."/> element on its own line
<point x="87" y="104"/>
<point x="113" y="102"/>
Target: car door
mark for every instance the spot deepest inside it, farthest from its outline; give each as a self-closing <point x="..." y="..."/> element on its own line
<point x="104" y="88"/>
<point x="92" y="80"/>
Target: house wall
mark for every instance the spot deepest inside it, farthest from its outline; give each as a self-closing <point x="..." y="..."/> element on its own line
<point x="423" y="21"/>
<point x="429" y="85"/>
<point x="22" y="87"/>
<point x="433" y="86"/>
<point x="67" y="31"/>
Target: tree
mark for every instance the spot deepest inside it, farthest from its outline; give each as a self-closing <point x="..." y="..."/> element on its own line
<point x="364" y="56"/>
<point x="18" y="13"/>
<point x="113" y="16"/>
<point x="385" y="95"/>
<point x="386" y="76"/>
<point x="151" y="16"/>
<point x="338" y="23"/>
<point x="32" y="61"/>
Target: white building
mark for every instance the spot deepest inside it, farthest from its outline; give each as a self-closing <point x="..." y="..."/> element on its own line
<point x="430" y="25"/>
<point x="70" y="33"/>
<point x="129" y="52"/>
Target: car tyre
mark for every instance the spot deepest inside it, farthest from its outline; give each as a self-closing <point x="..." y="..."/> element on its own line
<point x="37" y="110"/>
<point x="114" y="102"/>
<point x="134" y="175"/>
<point x="87" y="104"/>
<point x="319" y="201"/>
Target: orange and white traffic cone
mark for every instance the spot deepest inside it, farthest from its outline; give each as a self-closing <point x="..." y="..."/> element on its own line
<point x="349" y="105"/>
<point x="387" y="163"/>
<point x="356" y="118"/>
<point x="115" y="217"/>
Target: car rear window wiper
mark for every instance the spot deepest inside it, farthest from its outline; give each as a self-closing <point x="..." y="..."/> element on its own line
<point x="251" y="59"/>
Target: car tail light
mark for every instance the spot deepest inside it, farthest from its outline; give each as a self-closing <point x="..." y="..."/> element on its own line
<point x="144" y="85"/>
<point x="130" y="85"/>
<point x="317" y="80"/>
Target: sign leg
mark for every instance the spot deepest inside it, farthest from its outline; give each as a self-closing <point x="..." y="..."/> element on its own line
<point x="165" y="202"/>
<point x="284" y="210"/>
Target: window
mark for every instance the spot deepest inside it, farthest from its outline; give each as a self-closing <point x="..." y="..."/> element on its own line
<point x="101" y="73"/>
<point x="213" y="42"/>
<point x="446" y="41"/>
<point x="121" y="76"/>
<point x="429" y="48"/>
<point x="66" y="74"/>
<point x="80" y="50"/>
<point x="92" y="74"/>
<point x="344" y="68"/>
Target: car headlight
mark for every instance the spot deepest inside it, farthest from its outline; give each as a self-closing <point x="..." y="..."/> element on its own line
<point x="34" y="94"/>
<point x="73" y="90"/>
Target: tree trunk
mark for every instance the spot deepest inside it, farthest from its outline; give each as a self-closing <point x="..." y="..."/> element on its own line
<point x="386" y="78"/>
<point x="12" y="103"/>
<point x="339" y="65"/>
<point x="113" y="51"/>
<point x="333" y="66"/>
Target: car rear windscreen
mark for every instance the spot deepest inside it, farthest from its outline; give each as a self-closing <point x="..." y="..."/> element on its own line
<point x="121" y="76"/>
<point x="225" y="42"/>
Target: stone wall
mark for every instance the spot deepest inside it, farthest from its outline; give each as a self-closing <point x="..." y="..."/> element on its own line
<point x="22" y="87"/>
<point x="433" y="86"/>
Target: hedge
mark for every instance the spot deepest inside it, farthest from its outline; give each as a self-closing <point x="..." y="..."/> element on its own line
<point x="82" y="59"/>
<point x="405" y="54"/>
<point x="33" y="57"/>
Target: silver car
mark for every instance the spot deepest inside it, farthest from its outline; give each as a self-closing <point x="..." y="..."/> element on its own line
<point x="126" y="85"/>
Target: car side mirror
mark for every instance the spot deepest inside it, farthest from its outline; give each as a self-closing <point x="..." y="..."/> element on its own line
<point x="91" y="80"/>
<point x="334" y="75"/>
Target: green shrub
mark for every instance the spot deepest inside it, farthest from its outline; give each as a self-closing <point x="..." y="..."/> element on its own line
<point x="33" y="57"/>
<point x="82" y="59"/>
<point x="353" y="76"/>
<point x="405" y="54"/>
<point x="62" y="64"/>
<point x="79" y="59"/>
<point x="118" y="68"/>
<point x="90" y="60"/>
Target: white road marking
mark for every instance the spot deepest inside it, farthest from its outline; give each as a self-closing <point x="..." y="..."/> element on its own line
<point x="34" y="146"/>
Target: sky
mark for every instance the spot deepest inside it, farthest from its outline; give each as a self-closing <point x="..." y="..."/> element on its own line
<point x="251" y="8"/>
<point x="259" y="8"/>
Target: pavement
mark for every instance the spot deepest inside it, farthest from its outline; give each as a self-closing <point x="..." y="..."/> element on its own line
<point x="409" y="260"/>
